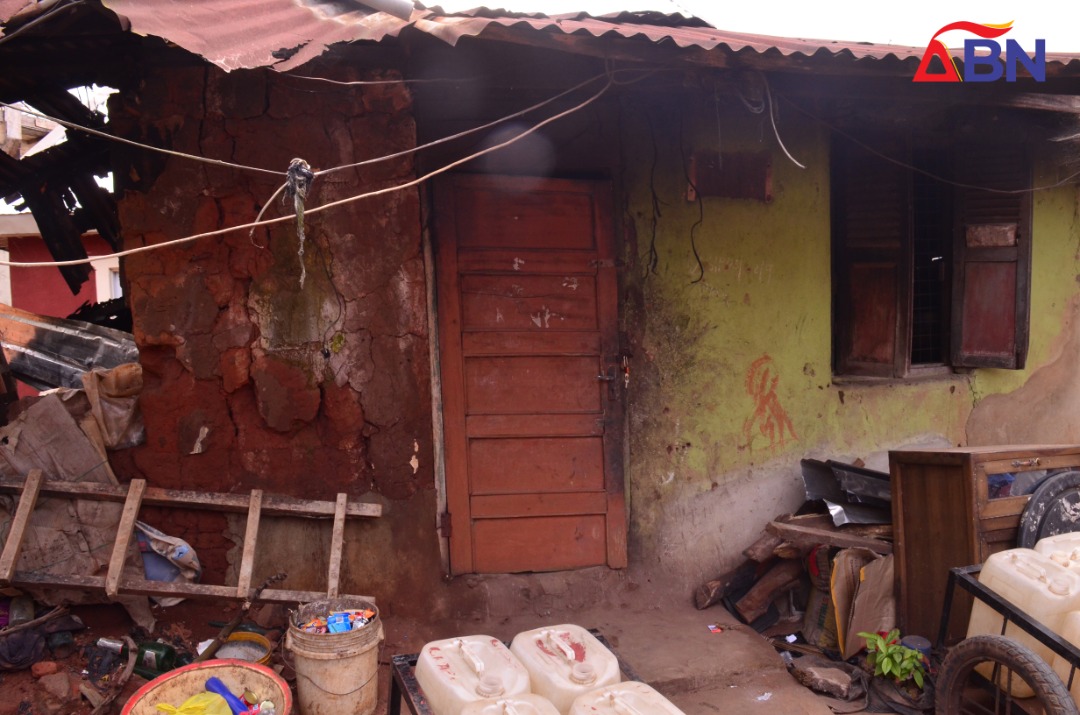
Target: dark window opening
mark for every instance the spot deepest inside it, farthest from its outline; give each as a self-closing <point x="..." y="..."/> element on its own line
<point x="931" y="263"/>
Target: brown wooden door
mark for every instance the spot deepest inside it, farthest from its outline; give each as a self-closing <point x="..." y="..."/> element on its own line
<point x="527" y="327"/>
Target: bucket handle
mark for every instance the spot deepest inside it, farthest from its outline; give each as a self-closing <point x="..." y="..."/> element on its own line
<point x="471" y="658"/>
<point x="621" y="706"/>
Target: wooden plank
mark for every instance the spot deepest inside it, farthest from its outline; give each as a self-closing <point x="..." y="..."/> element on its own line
<point x="525" y="261"/>
<point x="337" y="545"/>
<point x="251" y="538"/>
<point x="142" y="587"/>
<point x="522" y="505"/>
<point x="123" y="536"/>
<point x="530" y="343"/>
<point x="782" y="577"/>
<point x="573" y="464"/>
<point x="810" y="535"/>
<point x="528" y="384"/>
<point x="17" y="532"/>
<point x="565" y="425"/>
<point x="555" y="543"/>
<point x="738" y="579"/>
<point x="273" y="504"/>
<point x="528" y="303"/>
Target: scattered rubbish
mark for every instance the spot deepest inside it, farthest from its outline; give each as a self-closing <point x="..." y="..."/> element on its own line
<point x="715" y="628"/>
<point x="151" y="659"/>
<point x="338" y="622"/>
<point x="166" y="558"/>
<point x="764" y="697"/>
<point x="852" y="494"/>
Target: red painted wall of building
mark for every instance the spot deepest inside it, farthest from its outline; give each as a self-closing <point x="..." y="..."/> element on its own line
<point x="43" y="290"/>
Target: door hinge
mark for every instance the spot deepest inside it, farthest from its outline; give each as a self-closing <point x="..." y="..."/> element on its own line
<point x="442" y="525"/>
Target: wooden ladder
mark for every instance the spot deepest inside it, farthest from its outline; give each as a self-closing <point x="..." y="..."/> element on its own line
<point x="138" y="494"/>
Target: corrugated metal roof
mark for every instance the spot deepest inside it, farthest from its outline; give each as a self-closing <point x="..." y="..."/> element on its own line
<point x="285" y="34"/>
<point x="244" y="34"/>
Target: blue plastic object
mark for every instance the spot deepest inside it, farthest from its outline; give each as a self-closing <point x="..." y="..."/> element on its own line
<point x="214" y="685"/>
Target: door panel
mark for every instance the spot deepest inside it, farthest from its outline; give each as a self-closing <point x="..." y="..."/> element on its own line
<point x="507" y="385"/>
<point x="528" y="337"/>
<point x="522" y="302"/>
<point x="563" y="542"/>
<point x="503" y="466"/>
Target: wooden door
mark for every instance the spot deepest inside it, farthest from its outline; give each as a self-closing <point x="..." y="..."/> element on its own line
<point x="531" y="374"/>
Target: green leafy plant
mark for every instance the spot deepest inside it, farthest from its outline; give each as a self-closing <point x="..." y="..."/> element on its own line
<point x="890" y="659"/>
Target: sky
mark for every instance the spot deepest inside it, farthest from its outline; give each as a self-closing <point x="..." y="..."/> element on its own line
<point x="910" y="23"/>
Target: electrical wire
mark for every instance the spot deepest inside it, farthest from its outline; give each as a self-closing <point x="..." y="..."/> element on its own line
<point x="129" y="142"/>
<point x="37" y="20"/>
<point x="924" y="172"/>
<point x="333" y="204"/>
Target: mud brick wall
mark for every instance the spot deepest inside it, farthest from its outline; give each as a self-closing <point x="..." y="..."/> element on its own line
<point x="252" y="381"/>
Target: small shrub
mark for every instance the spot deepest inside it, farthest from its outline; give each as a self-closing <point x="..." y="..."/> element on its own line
<point x="892" y="660"/>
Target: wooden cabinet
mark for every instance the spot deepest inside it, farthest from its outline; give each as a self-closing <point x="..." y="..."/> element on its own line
<point x="955" y="507"/>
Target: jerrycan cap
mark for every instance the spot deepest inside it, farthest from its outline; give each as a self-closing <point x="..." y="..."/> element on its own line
<point x="490" y="686"/>
<point x="583" y="673"/>
<point x="1060" y="585"/>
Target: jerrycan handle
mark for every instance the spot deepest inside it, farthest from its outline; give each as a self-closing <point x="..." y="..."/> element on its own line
<point x="621" y="706"/>
<point x="508" y="708"/>
<point x="471" y="658"/>
<point x="552" y="638"/>
<point x="1028" y="569"/>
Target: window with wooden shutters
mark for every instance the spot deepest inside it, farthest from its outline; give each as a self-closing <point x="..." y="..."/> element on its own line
<point x="929" y="275"/>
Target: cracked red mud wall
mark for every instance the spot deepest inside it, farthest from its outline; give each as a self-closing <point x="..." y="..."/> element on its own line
<point x="252" y="381"/>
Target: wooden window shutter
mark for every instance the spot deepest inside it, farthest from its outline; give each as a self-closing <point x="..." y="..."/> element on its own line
<point x="871" y="223"/>
<point x="992" y="257"/>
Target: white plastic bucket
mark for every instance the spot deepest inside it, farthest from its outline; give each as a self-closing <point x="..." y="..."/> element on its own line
<point x="336" y="672"/>
<point x="564" y="662"/>
<point x="458" y="671"/>
<point x="1034" y="584"/>
<point x="622" y="698"/>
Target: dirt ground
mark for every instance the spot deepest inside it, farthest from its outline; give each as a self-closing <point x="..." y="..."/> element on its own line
<point x="670" y="644"/>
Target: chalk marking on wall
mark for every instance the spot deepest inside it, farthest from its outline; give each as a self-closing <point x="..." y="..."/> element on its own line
<point x="415" y="461"/>
<point x="518" y="263"/>
<point x="542" y="318"/>
<point x="570" y="282"/>
<point x="769" y="417"/>
<point x="498" y="316"/>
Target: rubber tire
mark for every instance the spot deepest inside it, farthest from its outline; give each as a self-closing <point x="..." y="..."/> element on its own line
<point x="962" y="659"/>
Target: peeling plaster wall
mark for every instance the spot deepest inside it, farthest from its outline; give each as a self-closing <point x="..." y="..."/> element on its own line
<point x="732" y="373"/>
<point x="252" y="381"/>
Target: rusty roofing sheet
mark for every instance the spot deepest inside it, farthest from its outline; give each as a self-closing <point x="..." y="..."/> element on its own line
<point x="238" y="34"/>
<point x="285" y="34"/>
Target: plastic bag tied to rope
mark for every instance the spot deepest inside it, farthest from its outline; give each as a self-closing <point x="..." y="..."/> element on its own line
<point x="298" y="180"/>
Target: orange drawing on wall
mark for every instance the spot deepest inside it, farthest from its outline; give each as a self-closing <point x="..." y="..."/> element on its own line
<point x="769" y="417"/>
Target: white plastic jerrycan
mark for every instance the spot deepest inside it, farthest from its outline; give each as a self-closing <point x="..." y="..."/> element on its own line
<point x="527" y="704"/>
<point x="457" y="671"/>
<point x="564" y="662"/>
<point x="626" y="698"/>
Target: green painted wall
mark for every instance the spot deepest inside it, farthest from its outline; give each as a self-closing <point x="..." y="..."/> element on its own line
<point x="732" y="372"/>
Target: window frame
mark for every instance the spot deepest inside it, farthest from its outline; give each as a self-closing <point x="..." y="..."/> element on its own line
<point x="873" y="224"/>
